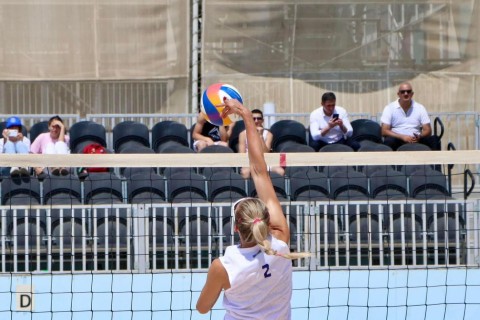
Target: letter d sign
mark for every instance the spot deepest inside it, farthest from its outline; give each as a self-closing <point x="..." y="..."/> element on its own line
<point x="24" y="298"/>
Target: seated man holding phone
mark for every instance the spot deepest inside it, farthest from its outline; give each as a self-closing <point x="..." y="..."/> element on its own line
<point x="329" y="124"/>
<point x="13" y="141"/>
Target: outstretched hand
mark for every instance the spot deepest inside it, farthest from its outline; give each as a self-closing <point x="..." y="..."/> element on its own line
<point x="233" y="106"/>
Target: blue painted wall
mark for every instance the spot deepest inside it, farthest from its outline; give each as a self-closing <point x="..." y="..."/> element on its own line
<point x="452" y="293"/>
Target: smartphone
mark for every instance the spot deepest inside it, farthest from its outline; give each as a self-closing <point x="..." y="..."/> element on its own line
<point x="335" y="116"/>
<point x="12" y="133"/>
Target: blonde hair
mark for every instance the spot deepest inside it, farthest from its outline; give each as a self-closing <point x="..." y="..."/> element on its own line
<point x="252" y="220"/>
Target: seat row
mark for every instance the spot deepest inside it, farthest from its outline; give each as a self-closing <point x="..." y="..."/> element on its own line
<point x="134" y="137"/>
<point x="144" y="185"/>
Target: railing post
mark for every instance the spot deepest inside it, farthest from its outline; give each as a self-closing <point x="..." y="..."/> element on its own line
<point x="139" y="244"/>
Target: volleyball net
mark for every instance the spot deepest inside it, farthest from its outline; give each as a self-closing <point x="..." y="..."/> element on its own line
<point x="393" y="235"/>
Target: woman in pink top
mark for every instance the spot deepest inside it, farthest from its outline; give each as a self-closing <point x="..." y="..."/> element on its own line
<point x="53" y="142"/>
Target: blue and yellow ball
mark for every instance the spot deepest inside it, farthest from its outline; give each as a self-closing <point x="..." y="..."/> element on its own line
<point x="212" y="99"/>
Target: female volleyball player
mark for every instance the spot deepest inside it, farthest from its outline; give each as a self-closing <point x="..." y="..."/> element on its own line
<point x="256" y="274"/>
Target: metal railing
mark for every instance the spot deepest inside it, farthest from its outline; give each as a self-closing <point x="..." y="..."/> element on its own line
<point x="187" y="236"/>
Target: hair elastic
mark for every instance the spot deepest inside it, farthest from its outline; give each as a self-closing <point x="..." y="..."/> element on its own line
<point x="256" y="220"/>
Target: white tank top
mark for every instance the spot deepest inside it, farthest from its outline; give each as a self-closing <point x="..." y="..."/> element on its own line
<point x="264" y="135"/>
<point x="260" y="284"/>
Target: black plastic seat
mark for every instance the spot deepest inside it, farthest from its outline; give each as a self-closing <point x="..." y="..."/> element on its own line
<point x="224" y="187"/>
<point x="349" y="185"/>
<point x="186" y="187"/>
<point x="161" y="233"/>
<point x="111" y="229"/>
<point x="175" y="148"/>
<point x="85" y="132"/>
<point x="237" y="129"/>
<point x="103" y="188"/>
<point x="428" y="184"/>
<point x="293" y="147"/>
<point x="366" y="129"/>
<point x="388" y="184"/>
<point x="208" y="171"/>
<point x="309" y="186"/>
<point x="414" y="147"/>
<point x="37" y="129"/>
<point x="287" y="130"/>
<point x="279" y="185"/>
<point x="337" y="147"/>
<point x="20" y="191"/>
<point x="168" y="131"/>
<point x="146" y="188"/>
<point x="23" y="192"/>
<point x="130" y="131"/>
<point x="22" y="230"/>
<point x="446" y="222"/>
<point x="370" y="146"/>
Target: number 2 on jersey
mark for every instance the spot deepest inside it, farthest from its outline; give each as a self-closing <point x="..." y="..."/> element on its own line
<point x="266" y="274"/>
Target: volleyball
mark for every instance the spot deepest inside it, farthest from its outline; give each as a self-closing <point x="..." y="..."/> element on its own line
<point x="213" y="97"/>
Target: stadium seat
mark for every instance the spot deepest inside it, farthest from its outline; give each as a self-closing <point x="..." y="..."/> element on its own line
<point x="403" y="231"/>
<point x="331" y="170"/>
<point x="37" y="129"/>
<point x="224" y="187"/>
<point x="196" y="228"/>
<point x="388" y="184"/>
<point x="366" y="129"/>
<point x="293" y="147"/>
<point x="186" y="187"/>
<point x="26" y="230"/>
<point x="237" y="128"/>
<point x="428" y="184"/>
<point x="349" y="185"/>
<point x="370" y="146"/>
<point x="146" y="188"/>
<point x="446" y="222"/>
<point x="103" y="188"/>
<point x="169" y="131"/>
<point x="309" y="186"/>
<point x="111" y="230"/>
<point x="363" y="225"/>
<point x="22" y="223"/>
<point x="131" y="132"/>
<point x="20" y="191"/>
<point x="61" y="190"/>
<point x="287" y="130"/>
<point x="85" y="132"/>
<point x="175" y="148"/>
<point x="208" y="171"/>
<point x="279" y="184"/>
<point x="161" y="237"/>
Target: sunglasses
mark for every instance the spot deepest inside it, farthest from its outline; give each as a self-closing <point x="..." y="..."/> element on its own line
<point x="257" y="118"/>
<point x="405" y="91"/>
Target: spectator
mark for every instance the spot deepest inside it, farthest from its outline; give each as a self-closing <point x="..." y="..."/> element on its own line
<point x="330" y="125"/>
<point x="14" y="142"/>
<point x="266" y="140"/>
<point x="56" y="141"/>
<point x="406" y="121"/>
<point x="206" y="134"/>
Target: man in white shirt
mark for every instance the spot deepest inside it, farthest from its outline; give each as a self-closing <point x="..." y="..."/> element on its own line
<point x="329" y="124"/>
<point x="407" y="121"/>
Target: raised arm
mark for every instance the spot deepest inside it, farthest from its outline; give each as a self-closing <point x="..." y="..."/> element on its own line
<point x="259" y="172"/>
<point x="197" y="130"/>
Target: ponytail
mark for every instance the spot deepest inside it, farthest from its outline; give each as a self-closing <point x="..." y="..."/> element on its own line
<point x="253" y="221"/>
